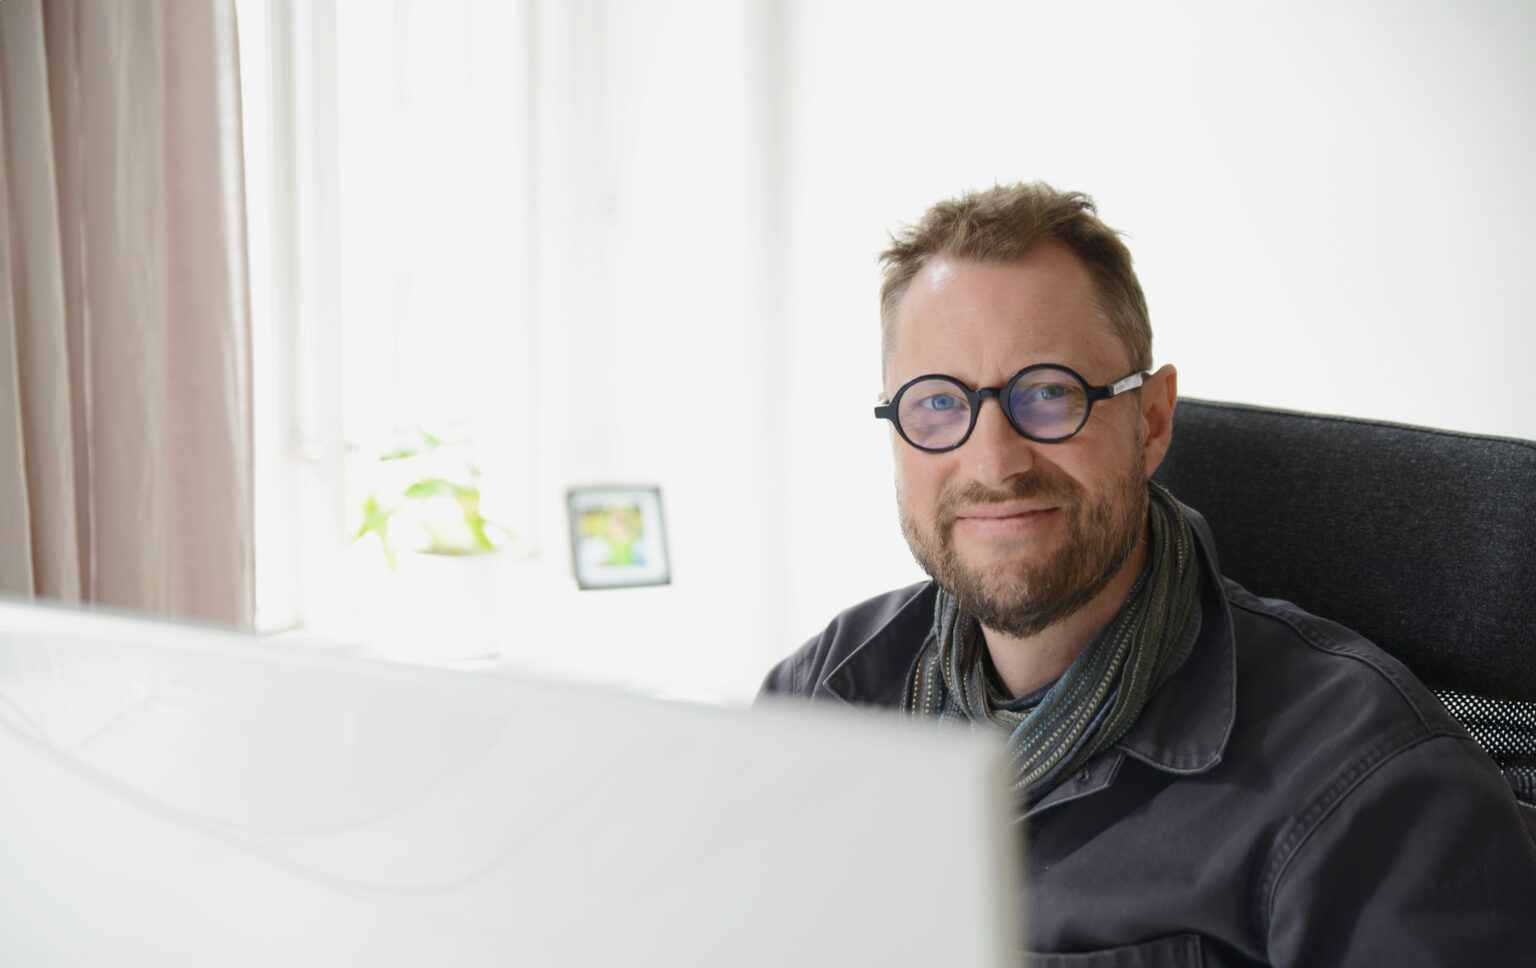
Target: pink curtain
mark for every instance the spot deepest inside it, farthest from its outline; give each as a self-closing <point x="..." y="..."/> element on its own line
<point x="125" y="387"/>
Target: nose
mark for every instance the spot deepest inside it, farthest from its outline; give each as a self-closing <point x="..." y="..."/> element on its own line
<point x="995" y="452"/>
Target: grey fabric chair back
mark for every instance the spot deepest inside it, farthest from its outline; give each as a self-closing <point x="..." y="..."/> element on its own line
<point x="1422" y="540"/>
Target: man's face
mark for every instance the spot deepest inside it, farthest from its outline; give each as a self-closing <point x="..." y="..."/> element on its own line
<point x="1022" y="533"/>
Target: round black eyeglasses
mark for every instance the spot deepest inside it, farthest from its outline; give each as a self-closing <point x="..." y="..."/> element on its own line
<point x="1045" y="403"/>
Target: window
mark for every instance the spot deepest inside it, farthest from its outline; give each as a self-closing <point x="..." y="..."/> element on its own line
<point x="532" y="226"/>
<point x="390" y="184"/>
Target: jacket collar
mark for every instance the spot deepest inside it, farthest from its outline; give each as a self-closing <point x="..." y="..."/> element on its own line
<point x="875" y="673"/>
<point x="1184" y="727"/>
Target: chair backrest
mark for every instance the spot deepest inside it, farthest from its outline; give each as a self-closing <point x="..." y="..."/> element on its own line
<point x="1422" y="540"/>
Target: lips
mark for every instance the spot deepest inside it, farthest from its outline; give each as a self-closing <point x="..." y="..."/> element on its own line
<point x="989" y="512"/>
<point x="1028" y="501"/>
<point x="996" y="522"/>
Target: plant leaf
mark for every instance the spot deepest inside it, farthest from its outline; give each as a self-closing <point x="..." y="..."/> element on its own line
<point x="435" y="487"/>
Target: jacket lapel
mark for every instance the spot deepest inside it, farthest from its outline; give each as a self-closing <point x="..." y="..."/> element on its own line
<point x="875" y="672"/>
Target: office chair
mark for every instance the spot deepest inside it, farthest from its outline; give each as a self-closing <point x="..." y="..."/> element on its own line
<point x="1423" y="541"/>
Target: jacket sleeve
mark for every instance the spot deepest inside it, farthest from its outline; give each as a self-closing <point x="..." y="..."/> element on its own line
<point x="1421" y="857"/>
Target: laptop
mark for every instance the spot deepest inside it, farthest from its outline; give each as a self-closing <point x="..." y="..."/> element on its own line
<point x="176" y="795"/>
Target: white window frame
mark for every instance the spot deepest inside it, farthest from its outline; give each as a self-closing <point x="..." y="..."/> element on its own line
<point x="290" y="61"/>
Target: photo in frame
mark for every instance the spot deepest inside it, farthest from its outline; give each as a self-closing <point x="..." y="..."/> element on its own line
<point x="618" y="537"/>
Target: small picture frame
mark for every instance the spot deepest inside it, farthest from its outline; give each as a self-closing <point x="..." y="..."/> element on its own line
<point x="618" y="537"/>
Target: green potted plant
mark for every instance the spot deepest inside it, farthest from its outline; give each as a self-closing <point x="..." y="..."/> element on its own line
<point x="427" y="499"/>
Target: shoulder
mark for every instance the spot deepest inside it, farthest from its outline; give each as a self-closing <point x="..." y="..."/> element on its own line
<point x="805" y="669"/>
<point x="1324" y="706"/>
<point x="1345" y="681"/>
<point x="1361" y="758"/>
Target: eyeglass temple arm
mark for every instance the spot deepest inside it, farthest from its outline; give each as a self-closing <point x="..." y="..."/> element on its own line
<point x="1118" y="387"/>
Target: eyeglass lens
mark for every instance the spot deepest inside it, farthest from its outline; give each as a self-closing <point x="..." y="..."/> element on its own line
<point x="1046" y="403"/>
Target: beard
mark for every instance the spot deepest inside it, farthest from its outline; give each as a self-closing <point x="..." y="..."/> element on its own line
<point x="1023" y="598"/>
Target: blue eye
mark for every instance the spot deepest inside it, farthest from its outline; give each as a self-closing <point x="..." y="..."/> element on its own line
<point x="934" y="412"/>
<point x="1026" y="394"/>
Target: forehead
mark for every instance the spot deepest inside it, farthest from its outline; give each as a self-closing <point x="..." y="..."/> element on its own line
<point x="985" y="321"/>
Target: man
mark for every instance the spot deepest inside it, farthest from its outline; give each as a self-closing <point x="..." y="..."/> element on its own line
<point x="1206" y="777"/>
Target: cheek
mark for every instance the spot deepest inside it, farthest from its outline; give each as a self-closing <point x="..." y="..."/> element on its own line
<point x="1107" y="477"/>
<point x="1089" y="477"/>
<point x="918" y="480"/>
<point x="1103" y="457"/>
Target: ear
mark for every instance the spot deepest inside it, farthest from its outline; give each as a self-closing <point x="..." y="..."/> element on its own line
<point x="1159" y="394"/>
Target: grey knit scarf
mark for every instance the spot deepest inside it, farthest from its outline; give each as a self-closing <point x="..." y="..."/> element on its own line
<point x="1061" y="726"/>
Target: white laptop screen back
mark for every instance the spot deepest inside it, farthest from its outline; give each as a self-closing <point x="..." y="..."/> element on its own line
<point x="181" y="796"/>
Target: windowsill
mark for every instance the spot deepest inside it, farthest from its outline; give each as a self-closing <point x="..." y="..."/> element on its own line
<point x="509" y="615"/>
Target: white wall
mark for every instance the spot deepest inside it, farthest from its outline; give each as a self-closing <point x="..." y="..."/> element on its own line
<point x="1328" y="205"/>
<point x="651" y="355"/>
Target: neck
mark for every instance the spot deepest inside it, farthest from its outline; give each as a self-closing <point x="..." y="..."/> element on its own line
<point x="1026" y="663"/>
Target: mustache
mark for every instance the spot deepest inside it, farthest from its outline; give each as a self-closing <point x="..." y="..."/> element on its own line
<point x="1037" y="483"/>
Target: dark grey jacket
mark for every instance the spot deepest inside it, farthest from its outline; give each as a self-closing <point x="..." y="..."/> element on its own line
<point x="1292" y="796"/>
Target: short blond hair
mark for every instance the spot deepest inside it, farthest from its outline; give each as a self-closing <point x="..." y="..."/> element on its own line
<point x="1005" y="222"/>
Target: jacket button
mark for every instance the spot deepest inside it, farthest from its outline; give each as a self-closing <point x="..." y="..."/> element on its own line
<point x="1083" y="775"/>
